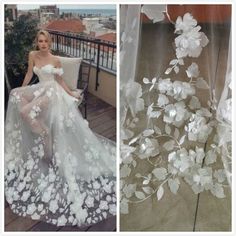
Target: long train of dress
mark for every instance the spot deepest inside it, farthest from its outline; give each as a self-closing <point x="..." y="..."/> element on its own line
<point x="56" y="169"/>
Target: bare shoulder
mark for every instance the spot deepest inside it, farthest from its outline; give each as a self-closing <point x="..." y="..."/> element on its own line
<point x="33" y="55"/>
<point x="57" y="61"/>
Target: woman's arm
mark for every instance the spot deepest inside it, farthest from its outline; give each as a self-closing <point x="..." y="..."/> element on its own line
<point x="29" y="73"/>
<point x="62" y="82"/>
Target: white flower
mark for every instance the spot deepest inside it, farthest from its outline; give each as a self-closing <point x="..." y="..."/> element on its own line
<point x="112" y="209"/>
<point x="202" y="180"/>
<point x="103" y="205"/>
<point x="126" y="151"/>
<point x="30" y="164"/>
<point x="89" y="201"/>
<point x="129" y="190"/>
<point x="164" y="85"/>
<point x="151" y="113"/>
<point x="25" y="196"/>
<point x="31" y="209"/>
<point x="162" y="100"/>
<point x="147" y="148"/>
<point x="61" y="220"/>
<point x="53" y="206"/>
<point x="181" y="90"/>
<point x="46" y="196"/>
<point x="220" y="175"/>
<point x="96" y="185"/>
<point x="180" y="160"/>
<point x="81" y="216"/>
<point x="51" y="177"/>
<point x="175" y="114"/>
<point x="191" y="41"/>
<point x="198" y="129"/>
<point x="21" y="186"/>
<point x="185" y="24"/>
<point x="40" y="207"/>
<point x="131" y="96"/>
<point x="107" y="188"/>
<point x="35" y="216"/>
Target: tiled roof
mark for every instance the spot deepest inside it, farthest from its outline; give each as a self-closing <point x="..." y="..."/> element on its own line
<point x="108" y="37"/>
<point x="70" y="25"/>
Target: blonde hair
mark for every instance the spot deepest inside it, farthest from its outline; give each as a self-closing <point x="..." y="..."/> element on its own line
<point x="44" y="33"/>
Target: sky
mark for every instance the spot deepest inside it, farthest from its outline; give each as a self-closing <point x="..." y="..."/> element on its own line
<point x="67" y="6"/>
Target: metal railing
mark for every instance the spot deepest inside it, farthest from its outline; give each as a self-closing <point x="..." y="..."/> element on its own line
<point x="103" y="53"/>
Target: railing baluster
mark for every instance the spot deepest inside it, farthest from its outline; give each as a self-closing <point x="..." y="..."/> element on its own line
<point x="102" y="52"/>
<point x="112" y="56"/>
<point x="98" y="60"/>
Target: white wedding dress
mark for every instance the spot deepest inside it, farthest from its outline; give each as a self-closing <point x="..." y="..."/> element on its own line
<point x="56" y="169"/>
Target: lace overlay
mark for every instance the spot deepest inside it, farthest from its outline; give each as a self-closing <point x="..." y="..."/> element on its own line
<point x="56" y="169"/>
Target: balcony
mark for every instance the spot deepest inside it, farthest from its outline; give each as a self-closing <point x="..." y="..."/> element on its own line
<point x="102" y="81"/>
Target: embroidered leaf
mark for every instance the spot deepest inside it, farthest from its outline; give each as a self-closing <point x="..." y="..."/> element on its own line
<point x="148" y="132"/>
<point x="134" y="163"/>
<point x="210" y="157"/>
<point x="139" y="195"/>
<point x="176" y="69"/>
<point x="181" y="141"/>
<point x="160" y="193"/>
<point x="173" y="62"/>
<point x="160" y="173"/>
<point x="174" y="185"/>
<point x="194" y="103"/>
<point x="168" y="71"/>
<point x="176" y="133"/>
<point x="146" y="81"/>
<point x="148" y="190"/>
<point x="133" y="140"/>
<point x="157" y="130"/>
<point x="193" y="71"/>
<point x="201" y="83"/>
<point x="146" y="181"/>
<point x="154" y="80"/>
<point x="167" y="129"/>
<point x="169" y="145"/>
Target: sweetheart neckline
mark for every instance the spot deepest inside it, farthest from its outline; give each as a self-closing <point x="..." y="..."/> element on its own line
<point x="44" y="66"/>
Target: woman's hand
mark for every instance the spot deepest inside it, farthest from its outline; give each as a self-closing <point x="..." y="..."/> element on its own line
<point x="75" y="95"/>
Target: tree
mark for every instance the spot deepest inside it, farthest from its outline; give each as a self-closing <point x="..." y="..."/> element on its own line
<point x="19" y="40"/>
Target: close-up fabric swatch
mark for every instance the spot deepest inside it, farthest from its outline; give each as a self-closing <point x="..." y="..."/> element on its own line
<point x="175" y="102"/>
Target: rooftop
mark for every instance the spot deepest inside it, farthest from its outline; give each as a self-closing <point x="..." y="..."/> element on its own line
<point x="69" y="25"/>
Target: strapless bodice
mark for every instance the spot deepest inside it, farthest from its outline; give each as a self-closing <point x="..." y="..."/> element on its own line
<point x="47" y="72"/>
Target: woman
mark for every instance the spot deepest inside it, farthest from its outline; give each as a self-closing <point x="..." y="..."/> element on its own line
<point x="56" y="168"/>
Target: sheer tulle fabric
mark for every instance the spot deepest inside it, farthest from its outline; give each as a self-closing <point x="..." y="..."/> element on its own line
<point x="56" y="169"/>
<point x="175" y="122"/>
